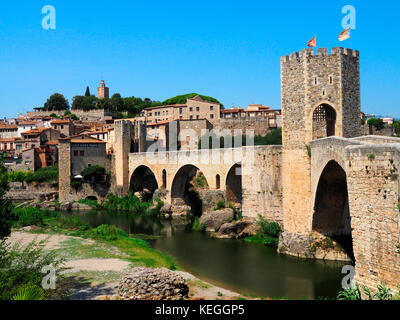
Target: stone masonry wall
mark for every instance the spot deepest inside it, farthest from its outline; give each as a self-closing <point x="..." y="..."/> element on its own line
<point x="262" y="184"/>
<point x="64" y="169"/>
<point x="260" y="125"/>
<point x="373" y="186"/>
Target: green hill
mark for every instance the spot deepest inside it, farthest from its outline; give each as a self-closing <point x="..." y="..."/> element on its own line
<point x="182" y="99"/>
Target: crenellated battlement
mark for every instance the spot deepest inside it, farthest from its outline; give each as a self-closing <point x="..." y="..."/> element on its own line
<point x="321" y="52"/>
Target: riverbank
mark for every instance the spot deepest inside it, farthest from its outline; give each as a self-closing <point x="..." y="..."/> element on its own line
<point x="93" y="268"/>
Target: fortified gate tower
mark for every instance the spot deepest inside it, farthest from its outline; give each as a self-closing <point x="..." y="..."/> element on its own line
<point x="320" y="98"/>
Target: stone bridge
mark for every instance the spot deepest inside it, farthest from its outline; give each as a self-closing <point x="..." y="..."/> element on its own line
<point x="355" y="193"/>
<point x="247" y="175"/>
<point x="325" y="180"/>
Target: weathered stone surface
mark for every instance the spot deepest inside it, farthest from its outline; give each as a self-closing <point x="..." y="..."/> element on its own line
<point x="210" y="199"/>
<point x="312" y="246"/>
<point x="152" y="284"/>
<point x="80" y="206"/>
<point x="215" y="219"/>
<point x="166" y="209"/>
<point x="180" y="210"/>
<point x="65" y="206"/>
<point x="238" y="229"/>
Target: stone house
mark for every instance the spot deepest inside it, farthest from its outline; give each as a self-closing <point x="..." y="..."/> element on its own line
<point x="8" y="131"/>
<point x="65" y="127"/>
<point x="24" y="126"/>
<point x="195" y="108"/>
<point x="82" y="152"/>
<point x="7" y="144"/>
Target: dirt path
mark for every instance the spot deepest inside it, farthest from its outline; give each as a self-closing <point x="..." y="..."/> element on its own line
<point x="98" y="278"/>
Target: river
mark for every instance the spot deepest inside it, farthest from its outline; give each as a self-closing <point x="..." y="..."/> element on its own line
<point x="246" y="268"/>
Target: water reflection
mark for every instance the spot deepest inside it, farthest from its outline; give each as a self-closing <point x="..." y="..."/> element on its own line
<point x="243" y="267"/>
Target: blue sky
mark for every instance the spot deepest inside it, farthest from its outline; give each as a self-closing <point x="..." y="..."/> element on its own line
<point x="158" y="49"/>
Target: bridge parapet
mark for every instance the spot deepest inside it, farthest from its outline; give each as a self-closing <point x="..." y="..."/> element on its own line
<point x="371" y="165"/>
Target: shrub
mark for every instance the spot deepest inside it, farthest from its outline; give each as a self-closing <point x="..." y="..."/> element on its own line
<point x="18" y="176"/>
<point x="197" y="226"/>
<point x="357" y="293"/>
<point x="47" y="174"/>
<point x="31" y="216"/>
<point x="269" y="235"/>
<point x="107" y="232"/>
<point x="5" y="204"/>
<point x="129" y="203"/>
<point x="29" y="292"/>
<point x="76" y="185"/>
<point x="201" y="181"/>
<point x="20" y="268"/>
<point x="93" y="173"/>
<point x="220" y="205"/>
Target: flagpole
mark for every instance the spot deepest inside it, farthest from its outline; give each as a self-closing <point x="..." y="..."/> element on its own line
<point x="351" y="39"/>
<point x="316" y="43"/>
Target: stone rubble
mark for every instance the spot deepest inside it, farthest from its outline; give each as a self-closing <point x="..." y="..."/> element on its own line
<point x="152" y="284"/>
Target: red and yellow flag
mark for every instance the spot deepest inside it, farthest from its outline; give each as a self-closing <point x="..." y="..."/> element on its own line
<point x="344" y="35"/>
<point x="313" y="42"/>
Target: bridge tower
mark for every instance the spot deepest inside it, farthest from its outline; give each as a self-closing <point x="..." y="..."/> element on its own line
<point x="320" y="98"/>
<point x="129" y="137"/>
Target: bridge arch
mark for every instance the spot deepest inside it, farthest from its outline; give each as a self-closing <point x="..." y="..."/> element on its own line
<point x="182" y="192"/>
<point x="331" y="216"/>
<point x="233" y="182"/>
<point x="143" y="179"/>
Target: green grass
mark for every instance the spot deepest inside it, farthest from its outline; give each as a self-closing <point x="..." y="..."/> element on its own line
<point x="107" y="241"/>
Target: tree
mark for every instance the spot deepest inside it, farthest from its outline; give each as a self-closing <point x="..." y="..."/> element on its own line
<point x="104" y="103"/>
<point x="84" y="102"/>
<point x="87" y="93"/>
<point x="93" y="173"/>
<point x="5" y="204"/>
<point x="377" y="123"/>
<point x="117" y="103"/>
<point x="56" y="102"/>
<point x="396" y="126"/>
<point x="77" y="102"/>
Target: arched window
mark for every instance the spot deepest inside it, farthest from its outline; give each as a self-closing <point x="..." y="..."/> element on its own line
<point x="324" y="121"/>
<point x="218" y="182"/>
<point x="164" y="178"/>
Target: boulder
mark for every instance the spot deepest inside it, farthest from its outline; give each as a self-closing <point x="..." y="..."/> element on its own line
<point x="215" y="219"/>
<point x="152" y="284"/>
<point x="166" y="209"/>
<point x="80" y="206"/>
<point x="180" y="210"/>
<point x="65" y="206"/>
<point x="210" y="199"/>
<point x="47" y="205"/>
<point x="238" y="229"/>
